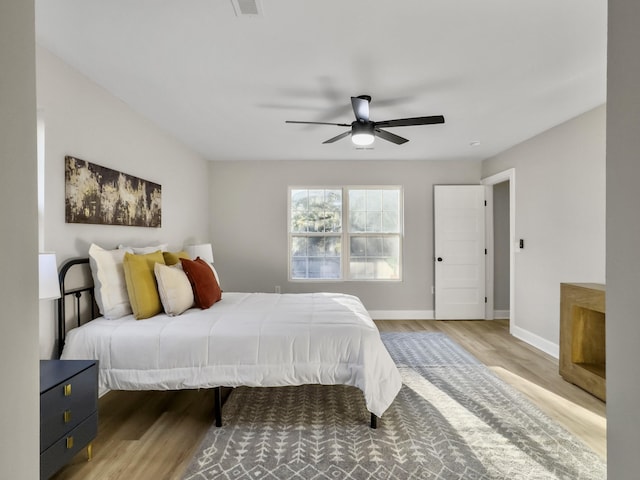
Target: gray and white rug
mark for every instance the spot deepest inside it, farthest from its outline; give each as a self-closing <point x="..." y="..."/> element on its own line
<point x="453" y="419"/>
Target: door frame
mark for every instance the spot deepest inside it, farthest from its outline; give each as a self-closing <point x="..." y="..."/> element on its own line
<point x="508" y="175"/>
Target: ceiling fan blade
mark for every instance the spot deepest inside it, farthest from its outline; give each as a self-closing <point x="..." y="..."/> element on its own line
<point x="361" y="107"/>
<point x="407" y="122"/>
<point x="319" y="123"/>
<point x="390" y="137"/>
<point x="338" y="137"/>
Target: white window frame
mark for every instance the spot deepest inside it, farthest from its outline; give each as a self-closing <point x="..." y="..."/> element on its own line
<point x="345" y="235"/>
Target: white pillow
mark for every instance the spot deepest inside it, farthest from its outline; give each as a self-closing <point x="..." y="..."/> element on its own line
<point x="109" y="283"/>
<point x="176" y="293"/>
<point x="215" y="274"/>
<point x="163" y="247"/>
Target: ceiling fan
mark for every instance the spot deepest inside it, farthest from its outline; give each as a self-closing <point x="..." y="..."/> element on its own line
<point x="363" y="130"/>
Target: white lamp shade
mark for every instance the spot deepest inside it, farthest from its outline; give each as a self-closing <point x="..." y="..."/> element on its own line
<point x="204" y="251"/>
<point x="48" y="276"/>
<point x="362" y="139"/>
<point x="362" y="133"/>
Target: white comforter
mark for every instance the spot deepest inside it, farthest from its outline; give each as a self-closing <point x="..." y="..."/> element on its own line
<point x="252" y="339"/>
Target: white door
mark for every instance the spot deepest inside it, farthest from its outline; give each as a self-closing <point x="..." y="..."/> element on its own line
<point x="459" y="252"/>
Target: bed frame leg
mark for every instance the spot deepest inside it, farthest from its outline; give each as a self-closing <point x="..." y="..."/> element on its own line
<point x="374" y="421"/>
<point x="217" y="405"/>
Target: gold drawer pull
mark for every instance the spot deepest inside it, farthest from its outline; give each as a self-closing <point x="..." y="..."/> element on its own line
<point x="69" y="442"/>
<point x="67" y="416"/>
<point x="67" y="390"/>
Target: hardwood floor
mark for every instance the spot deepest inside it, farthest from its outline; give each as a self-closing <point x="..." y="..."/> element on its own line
<point x="153" y="435"/>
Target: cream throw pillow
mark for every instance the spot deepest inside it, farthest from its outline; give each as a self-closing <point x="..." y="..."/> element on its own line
<point x="110" y="287"/>
<point x="174" y="288"/>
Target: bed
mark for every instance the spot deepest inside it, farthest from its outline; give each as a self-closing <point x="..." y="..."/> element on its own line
<point x="245" y="339"/>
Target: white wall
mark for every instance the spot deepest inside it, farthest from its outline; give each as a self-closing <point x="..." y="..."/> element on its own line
<point x="85" y="121"/>
<point x="249" y="224"/>
<point x="623" y="238"/>
<point x="20" y="401"/>
<point x="560" y="214"/>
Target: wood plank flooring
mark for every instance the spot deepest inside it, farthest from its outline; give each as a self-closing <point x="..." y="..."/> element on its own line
<point x="153" y="435"/>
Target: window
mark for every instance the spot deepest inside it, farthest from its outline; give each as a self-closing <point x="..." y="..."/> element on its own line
<point x="351" y="233"/>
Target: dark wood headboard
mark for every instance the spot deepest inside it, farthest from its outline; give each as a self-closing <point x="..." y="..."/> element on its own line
<point x="77" y="293"/>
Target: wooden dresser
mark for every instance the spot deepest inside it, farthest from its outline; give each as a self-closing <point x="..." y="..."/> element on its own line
<point x="582" y="336"/>
<point x="68" y="411"/>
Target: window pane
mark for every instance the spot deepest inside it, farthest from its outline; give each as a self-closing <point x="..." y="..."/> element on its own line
<point x="298" y="223"/>
<point x="386" y="268"/>
<point x="374" y="246"/>
<point x="360" y="269"/>
<point x="332" y="268"/>
<point x="391" y="247"/>
<point x="320" y="267"/>
<point x="334" y="199"/>
<point x="374" y="268"/>
<point x="374" y="221"/>
<point x="374" y="210"/>
<point x="374" y="200"/>
<point x="315" y="267"/>
<point x="299" y="268"/>
<point x="332" y="247"/>
<point x="358" y="246"/>
<point x="316" y="198"/>
<point x="299" y="246"/>
<point x="330" y="222"/>
<point x="299" y="200"/>
<point x="391" y="200"/>
<point x="358" y="222"/>
<point x="322" y="246"/>
<point x="374" y="257"/>
<point x="316" y="210"/>
<point x="357" y="200"/>
<point x="316" y="246"/>
<point x="390" y="223"/>
<point x="316" y="257"/>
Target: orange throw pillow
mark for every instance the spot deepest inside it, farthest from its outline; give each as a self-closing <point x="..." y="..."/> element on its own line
<point x="206" y="290"/>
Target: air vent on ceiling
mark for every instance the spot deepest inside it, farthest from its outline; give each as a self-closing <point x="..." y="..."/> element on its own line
<point x="247" y="8"/>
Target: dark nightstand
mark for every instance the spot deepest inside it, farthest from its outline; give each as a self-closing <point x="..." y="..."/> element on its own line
<point x="68" y="411"/>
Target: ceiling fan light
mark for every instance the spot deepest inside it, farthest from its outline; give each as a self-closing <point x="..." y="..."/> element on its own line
<point x="362" y="134"/>
<point x="362" y="139"/>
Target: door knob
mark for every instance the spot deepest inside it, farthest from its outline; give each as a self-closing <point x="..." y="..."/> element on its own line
<point x="439" y="259"/>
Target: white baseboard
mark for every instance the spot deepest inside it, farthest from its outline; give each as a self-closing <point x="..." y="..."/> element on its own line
<point x="401" y="314"/>
<point x="420" y="314"/>
<point x="536" y="341"/>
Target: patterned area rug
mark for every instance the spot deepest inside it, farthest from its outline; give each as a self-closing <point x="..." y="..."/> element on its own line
<point x="453" y="419"/>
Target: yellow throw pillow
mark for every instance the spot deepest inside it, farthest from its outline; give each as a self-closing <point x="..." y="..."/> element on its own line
<point x="141" y="283"/>
<point x="173" y="258"/>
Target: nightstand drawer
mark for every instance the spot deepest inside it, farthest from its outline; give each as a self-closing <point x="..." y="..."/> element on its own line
<point x="66" y="404"/>
<point x="66" y="447"/>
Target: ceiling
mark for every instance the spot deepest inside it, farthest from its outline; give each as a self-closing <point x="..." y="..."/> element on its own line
<point x="500" y="71"/>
